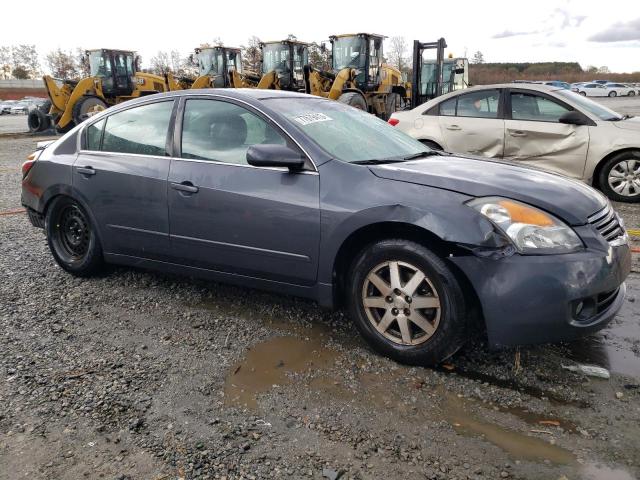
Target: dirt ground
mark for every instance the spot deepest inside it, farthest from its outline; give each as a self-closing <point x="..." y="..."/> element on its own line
<point x="140" y="375"/>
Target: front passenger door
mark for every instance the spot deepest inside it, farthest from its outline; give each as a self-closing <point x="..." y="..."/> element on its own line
<point x="534" y="134"/>
<point x="229" y="216"/>
<point x="472" y="123"/>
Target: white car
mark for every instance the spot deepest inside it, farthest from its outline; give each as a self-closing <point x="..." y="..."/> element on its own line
<point x="592" y="90"/>
<point x="552" y="128"/>
<point x="619" y="89"/>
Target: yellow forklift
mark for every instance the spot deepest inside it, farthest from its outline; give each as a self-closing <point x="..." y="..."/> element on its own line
<point x="358" y="76"/>
<point x="434" y="77"/>
<point x="114" y="78"/>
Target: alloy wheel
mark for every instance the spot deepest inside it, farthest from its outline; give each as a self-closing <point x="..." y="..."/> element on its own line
<point x="401" y="303"/>
<point x="624" y="178"/>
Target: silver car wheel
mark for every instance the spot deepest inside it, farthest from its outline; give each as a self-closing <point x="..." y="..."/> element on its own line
<point x="624" y="178"/>
<point x="401" y="303"/>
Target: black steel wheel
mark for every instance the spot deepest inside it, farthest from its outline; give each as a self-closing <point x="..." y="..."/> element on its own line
<point x="72" y="238"/>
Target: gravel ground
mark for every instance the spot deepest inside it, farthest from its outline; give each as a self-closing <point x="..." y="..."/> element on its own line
<point x="139" y="375"/>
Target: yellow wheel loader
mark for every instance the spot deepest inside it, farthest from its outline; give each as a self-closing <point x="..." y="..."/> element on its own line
<point x="283" y="65"/>
<point x="358" y="76"/>
<point x="114" y="78"/>
<point x="218" y="67"/>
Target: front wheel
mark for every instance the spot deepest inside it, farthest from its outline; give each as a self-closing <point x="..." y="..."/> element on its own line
<point x="584" y="94"/>
<point x="613" y="94"/>
<point x="354" y="99"/>
<point x="406" y="302"/>
<point x="72" y="238"/>
<point x="632" y="93"/>
<point x="619" y="177"/>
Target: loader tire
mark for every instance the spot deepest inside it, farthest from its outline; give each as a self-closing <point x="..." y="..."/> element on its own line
<point x="38" y="121"/>
<point x="354" y="99"/>
<point x="85" y="106"/>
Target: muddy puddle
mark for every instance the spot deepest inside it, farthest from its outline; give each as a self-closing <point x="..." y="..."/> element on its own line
<point x="616" y="348"/>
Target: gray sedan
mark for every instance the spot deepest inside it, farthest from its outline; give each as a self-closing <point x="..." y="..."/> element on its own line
<point x="310" y="197"/>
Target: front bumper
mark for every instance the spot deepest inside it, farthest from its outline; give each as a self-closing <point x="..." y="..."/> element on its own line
<point x="548" y="298"/>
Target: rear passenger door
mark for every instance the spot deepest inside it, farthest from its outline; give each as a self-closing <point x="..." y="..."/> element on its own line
<point x="534" y="134"/>
<point x="229" y="216"/>
<point x="121" y="172"/>
<point x="472" y="123"/>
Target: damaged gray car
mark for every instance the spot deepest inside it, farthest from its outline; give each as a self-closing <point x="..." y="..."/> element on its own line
<point x="309" y="197"/>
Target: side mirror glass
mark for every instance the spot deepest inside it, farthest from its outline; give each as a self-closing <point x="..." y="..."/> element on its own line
<point x="274" y="155"/>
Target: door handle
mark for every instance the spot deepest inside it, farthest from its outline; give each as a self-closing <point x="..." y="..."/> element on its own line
<point x="453" y="127"/>
<point x="186" y="187"/>
<point x="517" y="133"/>
<point x="86" y="170"/>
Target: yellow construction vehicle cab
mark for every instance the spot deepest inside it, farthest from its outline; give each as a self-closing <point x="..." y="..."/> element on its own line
<point x="216" y="66"/>
<point x="283" y="65"/>
<point x="358" y="76"/>
<point x="114" y="78"/>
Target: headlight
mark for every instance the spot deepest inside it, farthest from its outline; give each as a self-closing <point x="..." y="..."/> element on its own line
<point x="530" y="229"/>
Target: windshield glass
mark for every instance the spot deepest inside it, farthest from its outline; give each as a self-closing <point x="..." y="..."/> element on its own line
<point x="346" y="133"/>
<point x="210" y="61"/>
<point x="275" y="56"/>
<point x="349" y="52"/>
<point x="97" y="65"/>
<point x="602" y="112"/>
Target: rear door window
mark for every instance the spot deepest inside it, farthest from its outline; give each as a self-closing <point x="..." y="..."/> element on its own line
<point x="483" y="104"/>
<point x="140" y="130"/>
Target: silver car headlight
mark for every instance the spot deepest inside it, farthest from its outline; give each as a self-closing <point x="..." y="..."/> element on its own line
<point x="531" y="230"/>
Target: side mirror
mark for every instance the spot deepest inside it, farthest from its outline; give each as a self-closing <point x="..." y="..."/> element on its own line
<point x="274" y="155"/>
<point x="136" y="63"/>
<point x="574" y="118"/>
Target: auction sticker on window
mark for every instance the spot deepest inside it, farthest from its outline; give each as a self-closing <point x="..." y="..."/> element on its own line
<point x="308" y="118"/>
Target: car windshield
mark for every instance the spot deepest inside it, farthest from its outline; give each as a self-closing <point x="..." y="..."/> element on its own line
<point x="602" y="112"/>
<point x="346" y="133"/>
<point x="349" y="52"/>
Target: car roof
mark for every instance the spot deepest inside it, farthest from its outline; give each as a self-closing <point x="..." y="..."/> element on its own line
<point x="239" y="93"/>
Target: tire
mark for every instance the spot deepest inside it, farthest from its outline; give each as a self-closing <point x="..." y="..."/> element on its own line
<point x="72" y="238"/>
<point x="631" y="93"/>
<point x="354" y="99"/>
<point x="613" y="94"/>
<point x="416" y="345"/>
<point x="620" y="174"/>
<point x="432" y="145"/>
<point x="392" y="104"/>
<point x="584" y="94"/>
<point x="84" y="106"/>
<point x="38" y="121"/>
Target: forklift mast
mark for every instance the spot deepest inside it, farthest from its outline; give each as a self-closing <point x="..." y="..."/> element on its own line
<point x="423" y="89"/>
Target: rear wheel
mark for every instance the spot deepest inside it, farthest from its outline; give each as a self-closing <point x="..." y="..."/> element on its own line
<point x="354" y="99"/>
<point x="406" y="302"/>
<point x="619" y="177"/>
<point x="632" y="93"/>
<point x="38" y="121"/>
<point x="613" y="94"/>
<point x="72" y="238"/>
<point x="86" y="106"/>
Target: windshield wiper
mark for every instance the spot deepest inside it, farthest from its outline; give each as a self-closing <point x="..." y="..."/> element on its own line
<point x="377" y="161"/>
<point x="428" y="153"/>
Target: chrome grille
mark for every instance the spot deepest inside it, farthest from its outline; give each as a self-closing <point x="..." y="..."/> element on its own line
<point x="607" y="222"/>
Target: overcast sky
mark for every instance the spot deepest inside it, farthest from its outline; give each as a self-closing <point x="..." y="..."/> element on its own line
<point x="589" y="32"/>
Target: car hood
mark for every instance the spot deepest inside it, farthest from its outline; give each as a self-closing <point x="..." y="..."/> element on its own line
<point x="570" y="200"/>
<point x="632" y="123"/>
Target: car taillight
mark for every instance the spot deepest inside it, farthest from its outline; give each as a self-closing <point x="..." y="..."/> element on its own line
<point x="393" y="122"/>
<point x="26" y="166"/>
